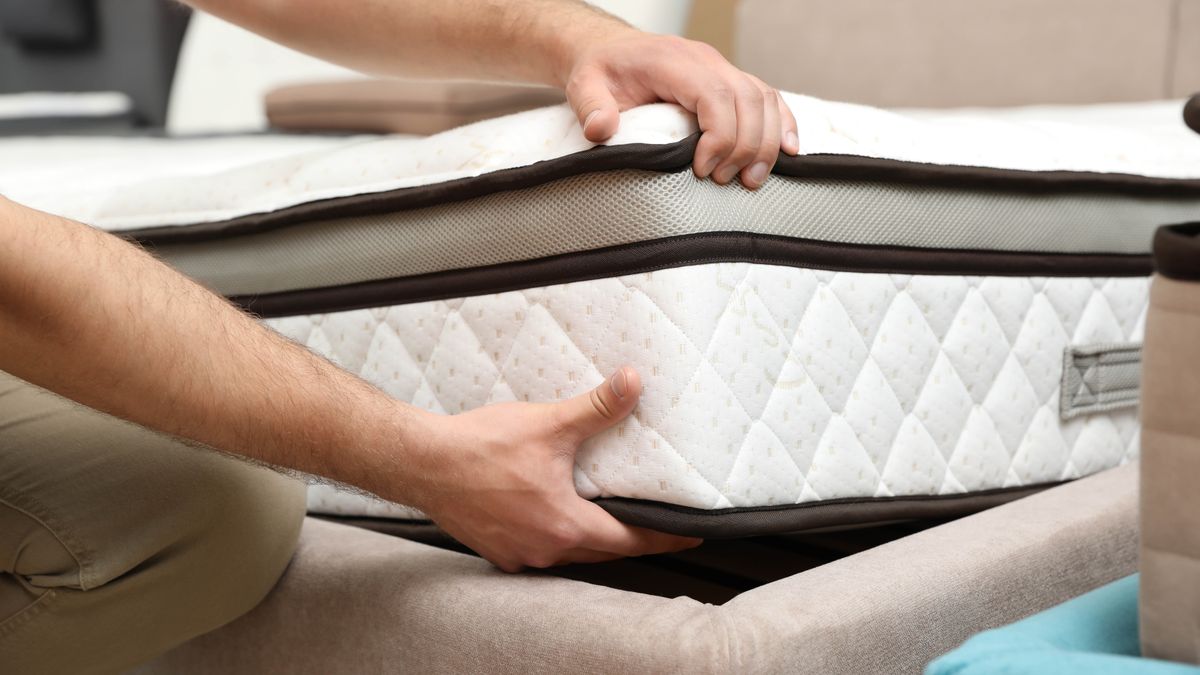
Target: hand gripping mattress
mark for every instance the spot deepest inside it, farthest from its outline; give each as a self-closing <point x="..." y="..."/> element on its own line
<point x="924" y="313"/>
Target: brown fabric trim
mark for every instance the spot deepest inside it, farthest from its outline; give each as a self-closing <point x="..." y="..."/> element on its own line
<point x="834" y="513"/>
<point x="423" y="531"/>
<point x="849" y="167"/>
<point x="1177" y="251"/>
<point x="689" y="250"/>
<point x="1191" y="113"/>
<point x="749" y="521"/>
<point x="671" y="158"/>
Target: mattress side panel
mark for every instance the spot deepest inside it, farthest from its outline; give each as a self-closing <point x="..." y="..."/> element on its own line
<point x="771" y="386"/>
<point x="618" y="208"/>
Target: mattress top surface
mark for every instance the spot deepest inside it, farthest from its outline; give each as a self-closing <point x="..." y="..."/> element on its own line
<point x="123" y="184"/>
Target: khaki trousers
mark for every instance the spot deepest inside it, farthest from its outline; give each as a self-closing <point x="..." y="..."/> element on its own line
<point x="117" y="543"/>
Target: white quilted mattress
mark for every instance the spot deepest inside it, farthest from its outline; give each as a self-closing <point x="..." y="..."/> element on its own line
<point x="769" y="385"/>
<point x="883" y="331"/>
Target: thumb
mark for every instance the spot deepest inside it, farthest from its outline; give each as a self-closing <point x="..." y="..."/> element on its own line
<point x="588" y="414"/>
<point x="594" y="106"/>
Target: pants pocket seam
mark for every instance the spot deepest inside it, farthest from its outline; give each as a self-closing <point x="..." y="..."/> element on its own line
<point x="14" y="623"/>
<point x="80" y="565"/>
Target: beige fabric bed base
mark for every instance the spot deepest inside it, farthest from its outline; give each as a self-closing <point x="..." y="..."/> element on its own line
<point x="358" y="601"/>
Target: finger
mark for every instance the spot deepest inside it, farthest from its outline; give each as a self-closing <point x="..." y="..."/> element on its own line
<point x="602" y="532"/>
<point x="718" y="127"/>
<point x="505" y="565"/>
<point x="594" y="106"/>
<point x="790" y="141"/>
<point x="749" y="110"/>
<point x="502" y="562"/>
<point x="586" y="555"/>
<point x="754" y="175"/>
<point x="603" y="407"/>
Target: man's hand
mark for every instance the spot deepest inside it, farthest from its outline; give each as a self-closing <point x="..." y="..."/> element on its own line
<point x="604" y="64"/>
<point x="498" y="478"/>
<point x="744" y="122"/>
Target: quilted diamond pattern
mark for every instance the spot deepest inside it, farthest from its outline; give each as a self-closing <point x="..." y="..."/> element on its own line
<point x="769" y="385"/>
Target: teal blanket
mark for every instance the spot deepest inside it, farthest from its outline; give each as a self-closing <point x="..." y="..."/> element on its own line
<point x="1096" y="634"/>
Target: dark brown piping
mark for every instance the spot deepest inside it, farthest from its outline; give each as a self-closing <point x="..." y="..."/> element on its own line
<point x="689" y="250"/>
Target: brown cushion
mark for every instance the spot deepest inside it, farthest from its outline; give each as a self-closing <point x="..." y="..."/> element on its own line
<point x="399" y="106"/>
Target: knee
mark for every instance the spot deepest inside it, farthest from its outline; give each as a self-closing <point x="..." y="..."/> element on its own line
<point x="243" y="542"/>
<point x="194" y="562"/>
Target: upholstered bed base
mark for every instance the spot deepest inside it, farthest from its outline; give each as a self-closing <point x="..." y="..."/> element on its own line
<point x="356" y="601"/>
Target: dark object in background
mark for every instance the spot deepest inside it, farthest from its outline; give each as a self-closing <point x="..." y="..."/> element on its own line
<point x="48" y="24"/>
<point x="1191" y="113"/>
<point x="127" y="46"/>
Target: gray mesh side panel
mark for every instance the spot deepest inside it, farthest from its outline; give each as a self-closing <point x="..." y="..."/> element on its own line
<point x="620" y="207"/>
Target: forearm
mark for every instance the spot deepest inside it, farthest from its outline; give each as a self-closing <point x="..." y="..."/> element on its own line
<point x="98" y="320"/>
<point x="528" y="40"/>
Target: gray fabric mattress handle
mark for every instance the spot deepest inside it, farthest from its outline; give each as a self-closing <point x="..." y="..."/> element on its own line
<point x="1100" y="377"/>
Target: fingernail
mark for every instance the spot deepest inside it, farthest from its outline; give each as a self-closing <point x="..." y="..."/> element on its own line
<point x="707" y="169"/>
<point x="618" y="383"/>
<point x="757" y="173"/>
<point x="726" y="174"/>
<point x="791" y="141"/>
<point x="588" y="120"/>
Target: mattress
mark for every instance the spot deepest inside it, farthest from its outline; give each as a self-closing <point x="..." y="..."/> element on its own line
<point x="923" y="314"/>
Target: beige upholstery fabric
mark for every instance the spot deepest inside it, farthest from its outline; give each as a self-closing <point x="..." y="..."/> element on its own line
<point x="1170" y="564"/>
<point x="940" y="53"/>
<point x="1185" y="71"/>
<point x="357" y="601"/>
<point x="399" y="106"/>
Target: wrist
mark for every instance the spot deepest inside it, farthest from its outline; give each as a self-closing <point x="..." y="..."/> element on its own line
<point x="381" y="447"/>
<point x="567" y="48"/>
<point x="408" y="456"/>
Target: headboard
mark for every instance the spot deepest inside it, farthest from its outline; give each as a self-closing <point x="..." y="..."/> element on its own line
<point x="945" y="53"/>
